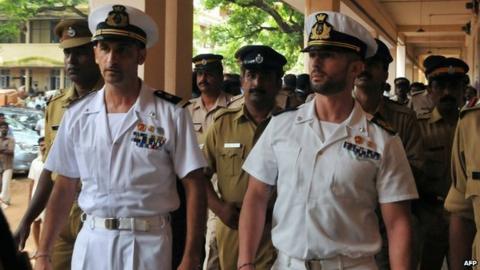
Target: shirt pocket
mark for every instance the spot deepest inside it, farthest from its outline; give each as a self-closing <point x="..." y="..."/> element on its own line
<point x="198" y="127"/>
<point x="353" y="177"/>
<point x="230" y="161"/>
<point x="291" y="178"/>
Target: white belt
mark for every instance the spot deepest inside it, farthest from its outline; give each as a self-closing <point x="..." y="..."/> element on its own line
<point x="337" y="262"/>
<point x="141" y="224"/>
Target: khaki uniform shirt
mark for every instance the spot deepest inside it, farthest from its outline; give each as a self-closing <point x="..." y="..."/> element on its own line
<point x="6" y="160"/>
<point x="438" y="138"/>
<point x="287" y="99"/>
<point x="464" y="196"/>
<point x="404" y="122"/>
<point x="227" y="144"/>
<point x="54" y="113"/>
<point x="202" y="118"/>
<point x="421" y="103"/>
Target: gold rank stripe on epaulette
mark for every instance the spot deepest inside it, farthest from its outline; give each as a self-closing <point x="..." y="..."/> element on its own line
<point x="379" y="122"/>
<point x="224" y="111"/>
<point x="169" y="97"/>
<point x="80" y="98"/>
<point x="284" y="110"/>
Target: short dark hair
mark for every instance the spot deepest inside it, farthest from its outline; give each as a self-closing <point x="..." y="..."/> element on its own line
<point x="41" y="139"/>
<point x="2" y="115"/>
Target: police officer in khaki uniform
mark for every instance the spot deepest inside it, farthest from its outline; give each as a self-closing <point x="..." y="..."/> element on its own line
<point x="80" y="66"/>
<point x="446" y="81"/>
<point x="463" y="197"/>
<point x="209" y="79"/>
<point x="368" y="92"/>
<point x="402" y="86"/>
<point x="228" y="143"/>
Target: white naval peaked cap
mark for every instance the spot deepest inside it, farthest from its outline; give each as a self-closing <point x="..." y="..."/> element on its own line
<point x="333" y="29"/>
<point x="115" y="21"/>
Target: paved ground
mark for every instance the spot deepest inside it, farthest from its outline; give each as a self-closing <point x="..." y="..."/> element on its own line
<point x="19" y="202"/>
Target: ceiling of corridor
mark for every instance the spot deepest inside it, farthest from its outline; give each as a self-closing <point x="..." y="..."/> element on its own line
<point x="425" y="26"/>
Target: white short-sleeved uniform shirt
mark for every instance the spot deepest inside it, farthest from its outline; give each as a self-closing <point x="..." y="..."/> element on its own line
<point x="328" y="187"/>
<point x="133" y="173"/>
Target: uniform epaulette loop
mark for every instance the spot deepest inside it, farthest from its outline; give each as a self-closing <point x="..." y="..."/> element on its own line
<point x="224" y="111"/>
<point x="172" y="98"/>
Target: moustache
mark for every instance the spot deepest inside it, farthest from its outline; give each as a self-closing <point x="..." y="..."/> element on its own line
<point x="256" y="90"/>
<point x="203" y="83"/>
<point x="317" y="71"/>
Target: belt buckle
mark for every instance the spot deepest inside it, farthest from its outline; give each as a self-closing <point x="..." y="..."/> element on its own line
<point x="111" y="223"/>
<point x="313" y="265"/>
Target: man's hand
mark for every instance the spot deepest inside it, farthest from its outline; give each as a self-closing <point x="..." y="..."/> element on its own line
<point x="189" y="264"/>
<point x="21" y="235"/>
<point x="43" y="263"/>
<point x="229" y="215"/>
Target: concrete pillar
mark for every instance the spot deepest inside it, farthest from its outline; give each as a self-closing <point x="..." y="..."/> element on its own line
<point x="178" y="47"/>
<point x="317" y="5"/>
<point x="154" y="71"/>
<point x="400" y="61"/>
<point x="168" y="66"/>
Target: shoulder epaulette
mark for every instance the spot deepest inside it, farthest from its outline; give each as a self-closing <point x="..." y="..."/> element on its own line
<point x="424" y="116"/>
<point x="399" y="107"/>
<point x="80" y="98"/>
<point x="416" y="93"/>
<point x="172" y="98"/>
<point x="235" y="99"/>
<point x="384" y="125"/>
<point x="224" y="111"/>
<point x="56" y="96"/>
<point x="471" y="106"/>
<point x="284" y="110"/>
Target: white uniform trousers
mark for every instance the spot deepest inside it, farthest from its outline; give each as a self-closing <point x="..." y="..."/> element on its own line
<point x="99" y="248"/>
<point x="285" y="262"/>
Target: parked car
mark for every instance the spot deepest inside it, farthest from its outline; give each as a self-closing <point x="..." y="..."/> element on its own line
<point x="26" y="116"/>
<point x="26" y="139"/>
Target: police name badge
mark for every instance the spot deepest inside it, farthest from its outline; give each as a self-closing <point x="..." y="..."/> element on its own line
<point x="148" y="136"/>
<point x="232" y="145"/>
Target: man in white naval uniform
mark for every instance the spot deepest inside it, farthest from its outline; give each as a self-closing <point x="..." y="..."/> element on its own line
<point x="331" y="164"/>
<point x="127" y="143"/>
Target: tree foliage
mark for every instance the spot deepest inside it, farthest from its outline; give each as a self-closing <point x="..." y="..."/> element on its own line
<point x="267" y="22"/>
<point x="16" y="12"/>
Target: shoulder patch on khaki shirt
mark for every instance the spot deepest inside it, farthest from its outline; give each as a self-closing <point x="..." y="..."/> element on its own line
<point x="224" y="111"/>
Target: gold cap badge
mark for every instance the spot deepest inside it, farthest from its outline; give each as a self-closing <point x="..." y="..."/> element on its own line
<point x="118" y="17"/>
<point x="320" y="29"/>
